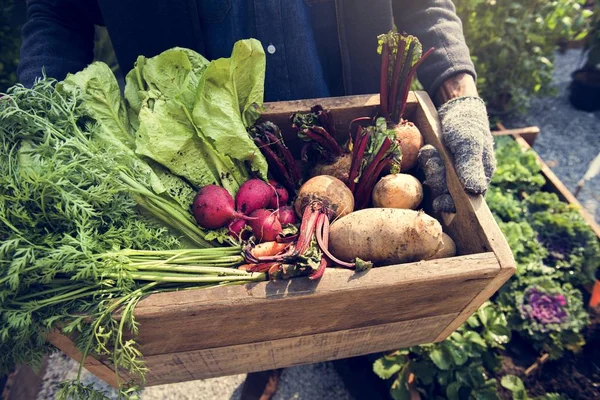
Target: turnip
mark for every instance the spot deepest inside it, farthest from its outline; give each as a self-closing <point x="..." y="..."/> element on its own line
<point x="254" y="194"/>
<point x="398" y="191"/>
<point x="280" y="196"/>
<point x="375" y="150"/>
<point x="400" y="58"/>
<point x="213" y="207"/>
<point x="325" y="193"/>
<point x="287" y="215"/>
<point x="321" y="151"/>
<point x="265" y="225"/>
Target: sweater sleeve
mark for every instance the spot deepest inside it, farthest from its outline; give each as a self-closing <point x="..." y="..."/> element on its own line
<point x="436" y="24"/>
<point x="58" y="37"/>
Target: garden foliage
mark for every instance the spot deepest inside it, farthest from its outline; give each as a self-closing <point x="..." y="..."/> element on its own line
<point x="512" y="44"/>
<point x="556" y="254"/>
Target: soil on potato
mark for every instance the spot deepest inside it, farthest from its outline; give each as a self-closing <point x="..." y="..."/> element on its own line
<point x="575" y="376"/>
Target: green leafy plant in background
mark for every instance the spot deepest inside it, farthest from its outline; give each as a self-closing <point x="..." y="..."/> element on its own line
<point x="547" y="313"/>
<point x="512" y="44"/>
<point x="455" y="368"/>
<point x="555" y="251"/>
<point x="515" y="385"/>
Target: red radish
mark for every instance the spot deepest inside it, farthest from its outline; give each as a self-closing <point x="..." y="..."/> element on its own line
<point x="265" y="225"/>
<point x="280" y="197"/>
<point x="213" y="207"/>
<point x="254" y="194"/>
<point x="236" y="227"/>
<point x="287" y="215"/>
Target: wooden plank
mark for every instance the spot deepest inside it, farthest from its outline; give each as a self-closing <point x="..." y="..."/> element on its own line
<point x="262" y="311"/>
<point x="555" y="185"/>
<point x="93" y="365"/>
<point x="473" y="219"/>
<point x="529" y="133"/>
<point x="473" y="227"/>
<point x="282" y="353"/>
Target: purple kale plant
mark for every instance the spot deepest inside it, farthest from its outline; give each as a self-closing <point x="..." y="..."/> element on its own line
<point x="551" y="316"/>
<point x="544" y="309"/>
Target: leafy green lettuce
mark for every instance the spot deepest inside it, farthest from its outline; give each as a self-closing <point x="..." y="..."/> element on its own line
<point x="230" y="94"/>
<point x="203" y="145"/>
<point x="102" y="99"/>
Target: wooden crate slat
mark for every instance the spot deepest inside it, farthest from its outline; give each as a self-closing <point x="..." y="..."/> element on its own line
<point x="473" y="218"/>
<point x="280" y="353"/>
<point x="93" y="365"/>
<point x="340" y="300"/>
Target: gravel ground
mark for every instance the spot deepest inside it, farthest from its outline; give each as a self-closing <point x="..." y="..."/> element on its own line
<point x="315" y="381"/>
<point x="569" y="141"/>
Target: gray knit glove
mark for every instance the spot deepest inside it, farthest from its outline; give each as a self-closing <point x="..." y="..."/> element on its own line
<point x="466" y="134"/>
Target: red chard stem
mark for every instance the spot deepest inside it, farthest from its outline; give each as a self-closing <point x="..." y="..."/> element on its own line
<point x="383" y="84"/>
<point x="331" y="144"/>
<point x="396" y="76"/>
<point x="409" y="79"/>
<point x="360" y="147"/>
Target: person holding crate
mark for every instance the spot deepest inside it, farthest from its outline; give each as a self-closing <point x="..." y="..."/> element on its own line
<point x="314" y="48"/>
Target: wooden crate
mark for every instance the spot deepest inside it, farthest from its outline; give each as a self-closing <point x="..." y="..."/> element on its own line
<point x="214" y="332"/>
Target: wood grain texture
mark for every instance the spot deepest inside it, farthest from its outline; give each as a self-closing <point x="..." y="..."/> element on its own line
<point x="194" y="320"/>
<point x="96" y="367"/>
<point x="555" y="185"/>
<point x="281" y="353"/>
<point x="24" y="383"/>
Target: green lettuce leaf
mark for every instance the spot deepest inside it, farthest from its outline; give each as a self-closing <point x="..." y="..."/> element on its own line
<point x="230" y="94"/>
<point x="167" y="136"/>
<point x="102" y="99"/>
<point x="162" y="93"/>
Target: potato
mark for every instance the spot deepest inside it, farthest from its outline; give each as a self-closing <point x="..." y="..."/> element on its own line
<point x="448" y="248"/>
<point x="385" y="236"/>
<point x="398" y="191"/>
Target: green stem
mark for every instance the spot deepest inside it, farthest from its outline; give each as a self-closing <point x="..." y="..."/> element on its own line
<point x="180" y="278"/>
<point x="49" y="291"/>
<point x="193" y="269"/>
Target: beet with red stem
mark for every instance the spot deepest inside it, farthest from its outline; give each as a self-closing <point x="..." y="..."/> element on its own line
<point x="281" y="162"/>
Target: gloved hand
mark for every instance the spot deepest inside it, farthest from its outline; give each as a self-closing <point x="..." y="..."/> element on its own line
<point x="430" y="162"/>
<point x="466" y="134"/>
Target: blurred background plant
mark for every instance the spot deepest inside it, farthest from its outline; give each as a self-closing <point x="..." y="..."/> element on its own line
<point x="513" y="43"/>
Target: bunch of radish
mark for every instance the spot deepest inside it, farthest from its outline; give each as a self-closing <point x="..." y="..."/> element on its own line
<point x="258" y="205"/>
